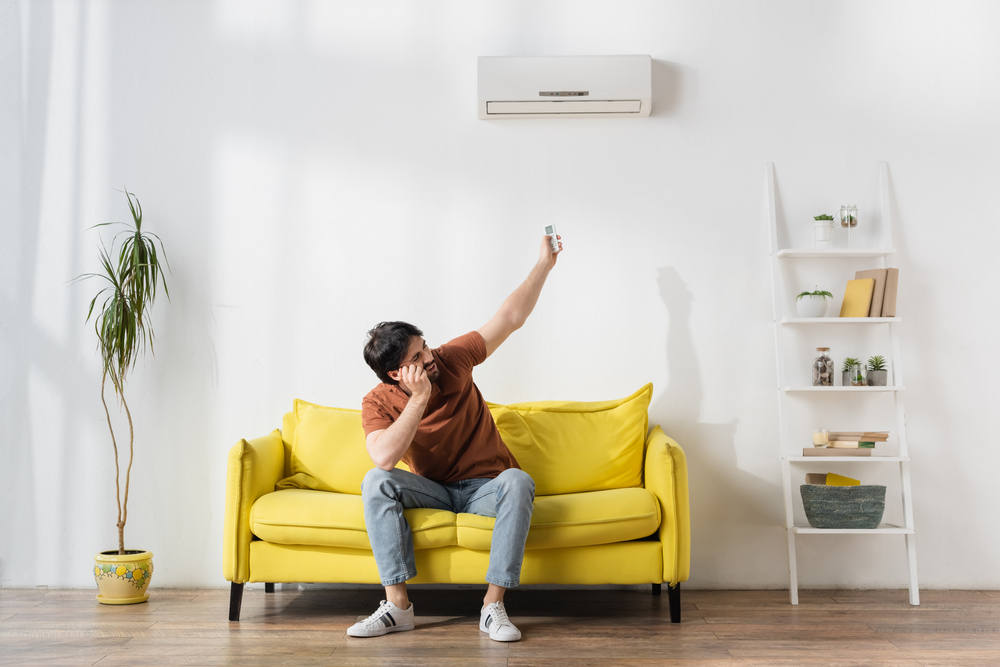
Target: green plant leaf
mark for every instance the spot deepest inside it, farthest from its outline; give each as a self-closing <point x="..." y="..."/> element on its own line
<point x="876" y="363"/>
<point x="133" y="274"/>
<point x="850" y="361"/>
<point x="816" y="293"/>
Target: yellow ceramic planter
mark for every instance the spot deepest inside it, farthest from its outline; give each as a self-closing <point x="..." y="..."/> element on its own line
<point x="123" y="579"/>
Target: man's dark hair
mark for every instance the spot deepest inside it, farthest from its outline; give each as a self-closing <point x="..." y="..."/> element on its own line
<point x="387" y="345"/>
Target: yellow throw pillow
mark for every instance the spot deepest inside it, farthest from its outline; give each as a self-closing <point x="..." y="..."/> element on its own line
<point x="328" y="450"/>
<point x="571" y="447"/>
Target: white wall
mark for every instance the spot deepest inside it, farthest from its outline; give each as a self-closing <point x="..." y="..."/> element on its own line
<point x="300" y="204"/>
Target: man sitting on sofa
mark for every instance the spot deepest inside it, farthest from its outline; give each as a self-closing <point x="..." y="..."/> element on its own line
<point x="428" y="413"/>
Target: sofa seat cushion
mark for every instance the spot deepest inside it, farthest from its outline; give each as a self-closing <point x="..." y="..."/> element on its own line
<point x="323" y="518"/>
<point x="575" y="520"/>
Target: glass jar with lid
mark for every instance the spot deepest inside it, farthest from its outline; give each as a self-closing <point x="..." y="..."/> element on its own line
<point x="849" y="215"/>
<point x="822" y="368"/>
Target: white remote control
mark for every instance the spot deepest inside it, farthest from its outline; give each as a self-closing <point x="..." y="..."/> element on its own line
<point x="550" y="231"/>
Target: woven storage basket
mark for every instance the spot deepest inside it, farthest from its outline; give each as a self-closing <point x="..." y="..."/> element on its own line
<point x="843" y="506"/>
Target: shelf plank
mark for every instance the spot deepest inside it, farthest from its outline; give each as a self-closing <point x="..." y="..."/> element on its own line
<point x="884" y="529"/>
<point x="859" y="390"/>
<point x="805" y="253"/>
<point x="845" y="459"/>
<point x="840" y="320"/>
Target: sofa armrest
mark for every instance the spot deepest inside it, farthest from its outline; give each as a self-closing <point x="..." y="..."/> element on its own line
<point x="254" y="467"/>
<point x="666" y="478"/>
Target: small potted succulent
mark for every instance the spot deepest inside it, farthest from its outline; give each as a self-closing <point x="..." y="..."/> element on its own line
<point x="823" y="227"/>
<point x="877" y="376"/>
<point x="846" y="370"/>
<point x="813" y="304"/>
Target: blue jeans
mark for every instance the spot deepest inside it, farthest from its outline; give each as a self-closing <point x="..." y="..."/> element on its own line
<point x="510" y="497"/>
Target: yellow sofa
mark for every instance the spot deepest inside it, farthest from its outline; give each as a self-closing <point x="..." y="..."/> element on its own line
<point x="611" y="503"/>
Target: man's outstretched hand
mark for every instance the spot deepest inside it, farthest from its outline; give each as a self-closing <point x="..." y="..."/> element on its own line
<point x="416" y="380"/>
<point x="545" y="255"/>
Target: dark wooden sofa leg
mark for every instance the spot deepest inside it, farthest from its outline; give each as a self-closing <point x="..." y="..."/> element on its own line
<point x="657" y="589"/>
<point x="235" y="601"/>
<point x="268" y="588"/>
<point x="674" y="598"/>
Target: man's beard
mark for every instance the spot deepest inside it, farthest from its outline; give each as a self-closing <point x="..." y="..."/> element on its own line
<point x="434" y="375"/>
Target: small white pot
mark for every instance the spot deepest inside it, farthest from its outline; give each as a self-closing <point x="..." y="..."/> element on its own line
<point x="812" y="306"/>
<point x="824" y="232"/>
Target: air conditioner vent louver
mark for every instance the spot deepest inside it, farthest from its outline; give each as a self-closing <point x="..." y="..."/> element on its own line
<point x="632" y="107"/>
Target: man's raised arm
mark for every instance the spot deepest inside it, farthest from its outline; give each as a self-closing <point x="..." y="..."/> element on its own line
<point x="516" y="308"/>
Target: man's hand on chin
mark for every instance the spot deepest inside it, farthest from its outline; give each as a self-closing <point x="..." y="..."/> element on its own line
<point x="415" y="379"/>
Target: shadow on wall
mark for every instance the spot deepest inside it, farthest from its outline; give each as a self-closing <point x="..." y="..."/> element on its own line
<point x="673" y="84"/>
<point x="49" y="368"/>
<point x="26" y="79"/>
<point x="721" y="493"/>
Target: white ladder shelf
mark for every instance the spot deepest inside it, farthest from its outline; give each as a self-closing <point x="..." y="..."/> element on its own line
<point x="895" y="384"/>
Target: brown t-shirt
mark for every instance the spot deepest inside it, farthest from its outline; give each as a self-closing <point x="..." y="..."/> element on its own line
<point x="457" y="437"/>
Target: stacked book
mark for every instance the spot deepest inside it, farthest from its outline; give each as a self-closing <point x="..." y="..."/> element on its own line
<point x="856" y="439"/>
<point x="849" y="443"/>
<point x="871" y="294"/>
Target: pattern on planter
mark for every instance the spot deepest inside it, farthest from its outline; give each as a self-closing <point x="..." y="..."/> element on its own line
<point x="137" y="575"/>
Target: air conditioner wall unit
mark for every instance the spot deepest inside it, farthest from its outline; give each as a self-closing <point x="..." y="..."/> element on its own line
<point x="565" y="86"/>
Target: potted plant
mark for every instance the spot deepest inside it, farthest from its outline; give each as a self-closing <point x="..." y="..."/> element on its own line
<point x="813" y="304"/>
<point x="823" y="227"/>
<point x="124" y="329"/>
<point x="846" y="370"/>
<point x="877" y="373"/>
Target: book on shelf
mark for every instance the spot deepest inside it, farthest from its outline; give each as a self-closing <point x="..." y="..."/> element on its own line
<point x="858" y="436"/>
<point x="851" y="444"/>
<point x="831" y="479"/>
<point x="889" y="296"/>
<point x="827" y="451"/>
<point x="879" y="276"/>
<point x="877" y="436"/>
<point x="857" y="298"/>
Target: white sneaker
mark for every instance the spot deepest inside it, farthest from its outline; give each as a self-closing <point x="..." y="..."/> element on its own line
<point x="388" y="618"/>
<point x="493" y="619"/>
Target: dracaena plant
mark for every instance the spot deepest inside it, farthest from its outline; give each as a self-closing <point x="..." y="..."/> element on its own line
<point x="131" y="276"/>
<point x="876" y="363"/>
<point x="850" y="361"/>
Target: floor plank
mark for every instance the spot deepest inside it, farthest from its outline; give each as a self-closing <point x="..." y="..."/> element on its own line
<point x="589" y="628"/>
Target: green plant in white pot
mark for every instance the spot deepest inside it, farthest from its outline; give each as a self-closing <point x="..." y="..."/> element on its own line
<point x="878" y="374"/>
<point x="823" y="227"/>
<point x="813" y="304"/>
<point x="131" y="270"/>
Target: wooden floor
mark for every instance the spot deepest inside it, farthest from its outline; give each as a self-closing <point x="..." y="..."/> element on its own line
<point x="560" y="628"/>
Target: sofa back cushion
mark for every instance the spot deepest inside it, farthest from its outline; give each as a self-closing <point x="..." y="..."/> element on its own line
<point x="566" y="447"/>
<point x="328" y="449"/>
<point x="570" y="447"/>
